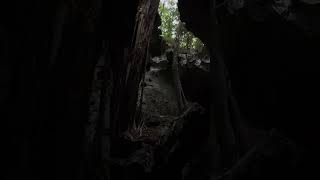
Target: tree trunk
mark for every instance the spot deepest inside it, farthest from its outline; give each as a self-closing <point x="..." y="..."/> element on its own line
<point x="137" y="57"/>
<point x="181" y="99"/>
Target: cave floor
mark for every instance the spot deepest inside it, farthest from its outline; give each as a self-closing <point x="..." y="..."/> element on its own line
<point x="159" y="97"/>
<point x="159" y="107"/>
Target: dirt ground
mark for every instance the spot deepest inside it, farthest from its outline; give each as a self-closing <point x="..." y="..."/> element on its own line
<point x="159" y="97"/>
<point x="159" y="108"/>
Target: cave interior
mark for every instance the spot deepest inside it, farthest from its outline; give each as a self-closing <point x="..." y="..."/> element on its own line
<point x="80" y="98"/>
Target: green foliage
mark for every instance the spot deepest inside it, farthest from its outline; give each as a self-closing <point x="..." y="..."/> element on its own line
<point x="169" y="18"/>
<point x="173" y="30"/>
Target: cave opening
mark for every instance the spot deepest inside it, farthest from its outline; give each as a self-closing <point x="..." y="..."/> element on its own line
<point x="177" y="67"/>
<point x="170" y="126"/>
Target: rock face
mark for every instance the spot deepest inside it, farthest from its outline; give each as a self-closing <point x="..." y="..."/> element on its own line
<point x="195" y="80"/>
<point x="272" y="66"/>
<point x="196" y="16"/>
<point x="48" y="53"/>
<point x="156" y="40"/>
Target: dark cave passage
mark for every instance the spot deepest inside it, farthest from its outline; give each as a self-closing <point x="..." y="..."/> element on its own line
<point x="171" y="128"/>
<point x="94" y="90"/>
